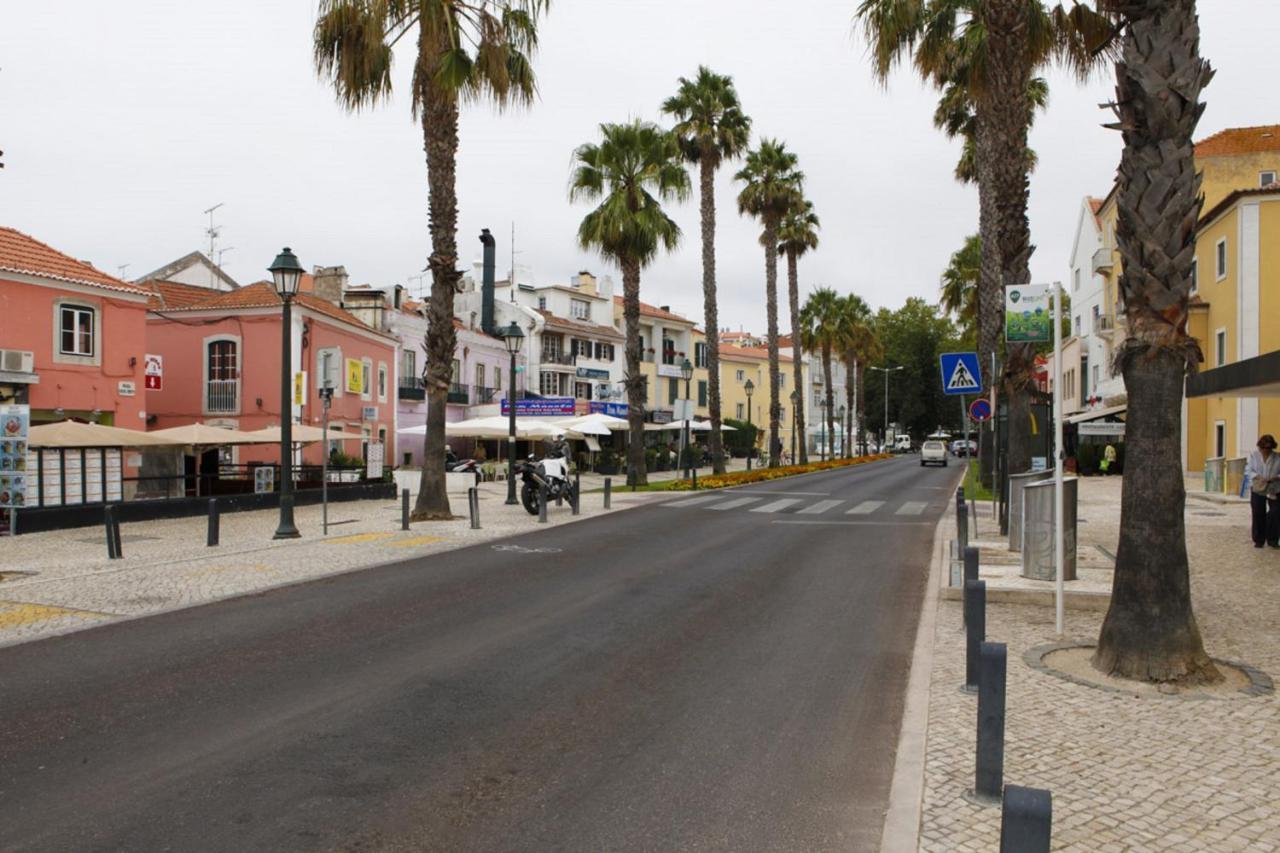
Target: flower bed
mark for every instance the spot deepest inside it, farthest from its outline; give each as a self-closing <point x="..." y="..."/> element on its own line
<point x="759" y="475"/>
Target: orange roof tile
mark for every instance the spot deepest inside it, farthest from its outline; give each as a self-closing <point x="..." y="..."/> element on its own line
<point x="262" y="294"/>
<point x="753" y="353"/>
<point x="1240" y="140"/>
<point x="20" y="253"/>
<point x="648" y="310"/>
<point x="174" y="294"/>
<point x="581" y="326"/>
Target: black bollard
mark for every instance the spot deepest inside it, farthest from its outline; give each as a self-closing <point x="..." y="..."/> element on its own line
<point x="211" y="540"/>
<point x="108" y="520"/>
<point x="975" y="630"/>
<point x="115" y="535"/>
<point x="608" y="492"/>
<point x="970" y="555"/>
<point x="473" y="507"/>
<point x="962" y="526"/>
<point x="988" y="777"/>
<point x="542" y="503"/>
<point x="404" y="509"/>
<point x="695" y="478"/>
<point x="1026" y="820"/>
<point x="577" y="493"/>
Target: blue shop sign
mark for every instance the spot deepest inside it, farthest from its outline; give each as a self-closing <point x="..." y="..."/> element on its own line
<point x="615" y="410"/>
<point x="541" y="406"/>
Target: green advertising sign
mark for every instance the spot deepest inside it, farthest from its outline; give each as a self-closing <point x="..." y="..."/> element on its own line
<point x="1027" y="318"/>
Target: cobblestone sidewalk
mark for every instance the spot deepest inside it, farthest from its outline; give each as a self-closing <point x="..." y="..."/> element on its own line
<point x="1126" y="773"/>
<point x="62" y="581"/>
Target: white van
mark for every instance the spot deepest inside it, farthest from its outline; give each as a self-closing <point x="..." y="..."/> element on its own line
<point x="902" y="444"/>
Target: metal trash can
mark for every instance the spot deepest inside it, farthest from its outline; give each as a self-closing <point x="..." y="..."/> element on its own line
<point x="1214" y="469"/>
<point x="1018" y="482"/>
<point x="1037" y="527"/>
<point x="1233" y="478"/>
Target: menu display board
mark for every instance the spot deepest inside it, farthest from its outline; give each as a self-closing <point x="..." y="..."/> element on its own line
<point x="15" y="421"/>
<point x="74" y="476"/>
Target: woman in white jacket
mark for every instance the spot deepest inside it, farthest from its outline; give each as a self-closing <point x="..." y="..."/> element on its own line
<point x="1263" y="471"/>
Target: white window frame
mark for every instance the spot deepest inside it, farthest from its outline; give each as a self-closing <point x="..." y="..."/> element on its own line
<point x="1220" y="258"/>
<point x="542" y="303"/>
<point x="742" y="412"/>
<point x="741" y="375"/>
<point x="204" y="375"/>
<point x="366" y="379"/>
<point x="383" y="378"/>
<point x="479" y="372"/>
<point x="580" y="309"/>
<point x="409" y="368"/>
<point x="1262" y="178"/>
<point x="94" y="308"/>
<point x="1219" y="347"/>
<point x="497" y="377"/>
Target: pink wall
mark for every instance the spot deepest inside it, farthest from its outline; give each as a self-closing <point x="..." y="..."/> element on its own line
<point x="27" y="322"/>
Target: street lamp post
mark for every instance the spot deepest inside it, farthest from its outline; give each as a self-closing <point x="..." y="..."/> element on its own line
<point x="686" y="370"/>
<point x="886" y="371"/>
<point x="822" y="404"/>
<point x="286" y="272"/>
<point x="749" y="388"/>
<point x="843" y="432"/>
<point x="513" y="338"/>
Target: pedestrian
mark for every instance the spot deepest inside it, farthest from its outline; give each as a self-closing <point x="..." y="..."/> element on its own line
<point x="1108" y="459"/>
<point x="1262" y="472"/>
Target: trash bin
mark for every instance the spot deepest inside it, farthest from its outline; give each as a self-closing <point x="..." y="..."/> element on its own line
<point x="1038" y="529"/>
<point x="1233" y="477"/>
<point x="1213" y="474"/>
<point x="1017" y="482"/>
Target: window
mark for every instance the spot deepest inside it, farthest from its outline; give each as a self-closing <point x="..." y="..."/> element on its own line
<point x="1266" y="179"/>
<point x="480" y="376"/>
<point x="1220" y="347"/>
<point x="604" y="352"/>
<point x="1195" y="275"/>
<point x="382" y="382"/>
<point x="741" y="411"/>
<point x="582" y="348"/>
<point x="741" y="374"/>
<point x="1220" y="254"/>
<point x="782" y="380"/>
<point x="497" y="378"/>
<point x="222" y="369"/>
<point x="673" y="389"/>
<point x="582" y="390"/>
<point x="408" y="369"/>
<point x="542" y="303"/>
<point x="700" y="355"/>
<point x="1097" y="313"/>
<point x="549" y="383"/>
<point x="580" y="309"/>
<point x="702" y="393"/>
<point x="1077" y="324"/>
<point x="456" y="376"/>
<point x="76" y="331"/>
<point x="668" y="351"/>
<point x="366" y="379"/>
<point x="1220" y="439"/>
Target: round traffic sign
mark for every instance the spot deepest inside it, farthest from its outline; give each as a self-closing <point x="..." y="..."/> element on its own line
<point x="980" y="409"/>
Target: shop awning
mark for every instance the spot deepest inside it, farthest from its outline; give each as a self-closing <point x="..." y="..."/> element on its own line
<point x="204" y="435"/>
<point x="69" y="434"/>
<point x="1096" y="414"/>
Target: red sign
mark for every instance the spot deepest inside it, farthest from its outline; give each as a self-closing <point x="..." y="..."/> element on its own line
<point x="152" y="372"/>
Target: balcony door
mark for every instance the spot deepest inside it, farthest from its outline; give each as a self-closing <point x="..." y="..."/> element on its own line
<point x="222" y="390"/>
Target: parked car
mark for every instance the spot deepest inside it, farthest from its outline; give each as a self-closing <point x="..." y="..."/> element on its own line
<point x="964" y="447"/>
<point x="902" y="444"/>
<point x="933" y="453"/>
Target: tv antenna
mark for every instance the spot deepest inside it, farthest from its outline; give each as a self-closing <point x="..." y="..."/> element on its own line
<point x="120" y="271"/>
<point x="222" y="252"/>
<point x="418" y="278"/>
<point x="213" y="230"/>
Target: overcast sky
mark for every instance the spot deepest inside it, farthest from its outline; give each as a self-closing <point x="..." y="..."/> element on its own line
<point x="123" y="121"/>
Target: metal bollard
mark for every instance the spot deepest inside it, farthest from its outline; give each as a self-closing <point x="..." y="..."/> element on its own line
<point x="608" y="492"/>
<point x="108" y="520"/>
<point x="695" y="478"/>
<point x="970" y="556"/>
<point x="473" y="507"/>
<point x="211" y="539"/>
<point x="1026" y="820"/>
<point x="577" y="493"/>
<point x="975" y="630"/>
<point x="988" y="777"/>
<point x="542" y="504"/>
<point x="962" y="526"/>
<point x="115" y="535"/>
<point x="404" y="509"/>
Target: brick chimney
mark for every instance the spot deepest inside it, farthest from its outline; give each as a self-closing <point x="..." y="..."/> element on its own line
<point x="330" y="283"/>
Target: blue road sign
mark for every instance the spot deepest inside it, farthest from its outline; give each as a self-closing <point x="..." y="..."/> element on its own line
<point x="960" y="373"/>
<point x="980" y="409"/>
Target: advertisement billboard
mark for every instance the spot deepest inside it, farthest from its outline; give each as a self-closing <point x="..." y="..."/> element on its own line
<point x="1027" y="318"/>
<point x="541" y="406"/>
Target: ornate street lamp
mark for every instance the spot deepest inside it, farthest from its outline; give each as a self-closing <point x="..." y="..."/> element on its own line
<point x="843" y="432"/>
<point x="823" y="442"/>
<point x="513" y="338"/>
<point x="749" y="388"/>
<point x="686" y="370"/>
<point x="886" y="371"/>
<point x="286" y="273"/>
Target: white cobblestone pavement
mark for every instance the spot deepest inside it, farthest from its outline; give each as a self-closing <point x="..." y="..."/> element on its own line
<point x="62" y="581"/>
<point x="1160" y="773"/>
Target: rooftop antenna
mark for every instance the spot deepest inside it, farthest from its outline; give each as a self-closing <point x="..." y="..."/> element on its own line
<point x="120" y="271"/>
<point x="213" y="230"/>
<point x="222" y="252"/>
<point x="418" y="278"/>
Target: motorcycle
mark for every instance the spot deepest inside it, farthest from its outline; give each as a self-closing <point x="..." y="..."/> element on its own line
<point x="461" y="466"/>
<point x="552" y="472"/>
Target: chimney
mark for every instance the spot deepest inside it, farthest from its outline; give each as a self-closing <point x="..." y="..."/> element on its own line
<point x="666" y="308"/>
<point x="397" y="297"/>
<point x="486" y="284"/>
<point x="330" y="283"/>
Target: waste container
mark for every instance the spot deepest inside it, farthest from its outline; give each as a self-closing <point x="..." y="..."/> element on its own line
<point x="1038" y="529"/>
<point x="1017" y="482"/>
<point x="1233" y="478"/>
<point x="1213" y="475"/>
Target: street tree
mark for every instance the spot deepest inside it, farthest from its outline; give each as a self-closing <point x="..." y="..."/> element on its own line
<point x="858" y="346"/>
<point x="821" y="327"/>
<point x="467" y="50"/>
<point x="712" y="129"/>
<point x="632" y="170"/>
<point x="1150" y="631"/>
<point x="771" y="186"/>
<point x="959" y="286"/>
<point x="797" y="235"/>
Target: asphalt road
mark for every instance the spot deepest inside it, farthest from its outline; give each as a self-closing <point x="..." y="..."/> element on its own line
<point x="715" y="676"/>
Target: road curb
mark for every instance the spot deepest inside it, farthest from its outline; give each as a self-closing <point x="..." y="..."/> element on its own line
<point x="901" y="832"/>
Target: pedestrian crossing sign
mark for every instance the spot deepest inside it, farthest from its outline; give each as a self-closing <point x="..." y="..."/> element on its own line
<point x="960" y="373"/>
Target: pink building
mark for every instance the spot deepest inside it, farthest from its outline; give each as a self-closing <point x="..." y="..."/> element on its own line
<point x="72" y="338"/>
<point x="221" y="356"/>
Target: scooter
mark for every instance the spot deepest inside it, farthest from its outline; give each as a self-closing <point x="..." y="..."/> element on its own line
<point x="461" y="466"/>
<point x="551" y="472"/>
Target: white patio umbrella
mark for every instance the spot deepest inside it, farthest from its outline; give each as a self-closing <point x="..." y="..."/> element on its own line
<point x="306" y="434"/>
<point x="74" y="434"/>
<point x="204" y="435"/>
<point x="694" y="426"/>
<point x="594" y="424"/>
<point x="495" y="426"/>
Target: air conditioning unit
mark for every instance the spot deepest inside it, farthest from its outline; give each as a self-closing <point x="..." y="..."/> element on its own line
<point x="17" y="361"/>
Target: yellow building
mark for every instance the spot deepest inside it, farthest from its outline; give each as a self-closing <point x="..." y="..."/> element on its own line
<point x="740" y="364"/>
<point x="666" y="340"/>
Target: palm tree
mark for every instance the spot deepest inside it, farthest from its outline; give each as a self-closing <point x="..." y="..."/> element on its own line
<point x="772" y="184"/>
<point x="821" y="330"/>
<point x="467" y="50"/>
<point x="797" y="235"/>
<point x="1150" y="630"/>
<point x="711" y="128"/>
<point x="632" y="170"/>
<point x="960" y="283"/>
<point x="857" y="346"/>
<point x="955" y="117"/>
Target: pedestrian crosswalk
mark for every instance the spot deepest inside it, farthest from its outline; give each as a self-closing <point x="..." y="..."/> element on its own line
<point x="856" y="510"/>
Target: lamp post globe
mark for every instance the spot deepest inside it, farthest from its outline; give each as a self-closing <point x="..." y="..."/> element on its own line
<point x="749" y="388"/>
<point x="513" y="337"/>
<point x="286" y="275"/>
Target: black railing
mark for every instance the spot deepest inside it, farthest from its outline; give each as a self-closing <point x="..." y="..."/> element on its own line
<point x="412" y="389"/>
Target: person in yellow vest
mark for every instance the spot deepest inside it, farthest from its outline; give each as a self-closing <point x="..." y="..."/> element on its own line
<point x="1108" y="459"/>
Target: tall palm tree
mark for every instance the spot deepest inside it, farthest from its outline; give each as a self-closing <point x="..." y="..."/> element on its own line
<point x="467" y="50"/>
<point x="771" y="185"/>
<point x="955" y="116"/>
<point x="821" y="329"/>
<point x="711" y="128"/>
<point x="857" y="346"/>
<point x="1150" y="630"/>
<point x="632" y="170"/>
<point x="797" y="235"/>
<point x="959" y="284"/>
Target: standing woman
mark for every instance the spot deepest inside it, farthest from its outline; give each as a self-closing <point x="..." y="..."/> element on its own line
<point x="1263" y="471"/>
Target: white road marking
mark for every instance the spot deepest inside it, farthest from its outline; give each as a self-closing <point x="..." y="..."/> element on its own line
<point x="692" y="501"/>
<point x="912" y="508"/>
<point x="777" y="505"/>
<point x="819" y="507"/>
<point x="765" y="492"/>
<point x="865" y="508"/>
<point x="734" y="504"/>
<point x="854" y="523"/>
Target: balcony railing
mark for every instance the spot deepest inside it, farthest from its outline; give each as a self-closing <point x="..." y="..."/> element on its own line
<point x="458" y="394"/>
<point x="412" y="389"/>
<point x="222" y="396"/>
<point x="1102" y="259"/>
<point x="481" y="395"/>
<point x="565" y="358"/>
<point x="1104" y="324"/>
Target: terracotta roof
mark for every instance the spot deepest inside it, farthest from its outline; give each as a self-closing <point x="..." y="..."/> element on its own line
<point x="1240" y="140"/>
<point x="648" y="310"/>
<point x="174" y="294"/>
<point x="20" y="253"/>
<point x="1095" y="205"/>
<point x="565" y="323"/>
<point x="262" y="294"/>
<point x="749" y="353"/>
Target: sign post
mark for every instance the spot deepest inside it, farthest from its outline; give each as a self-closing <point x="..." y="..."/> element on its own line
<point x="1059" y="455"/>
<point x="961" y="375"/>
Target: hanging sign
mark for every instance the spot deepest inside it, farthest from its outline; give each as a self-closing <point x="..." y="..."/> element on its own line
<point x="1027" y="318"/>
<point x="355" y="376"/>
<point x="152" y="372"/>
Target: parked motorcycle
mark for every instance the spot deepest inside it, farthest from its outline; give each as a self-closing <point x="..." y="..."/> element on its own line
<point x="454" y="465"/>
<point x="553" y="472"/>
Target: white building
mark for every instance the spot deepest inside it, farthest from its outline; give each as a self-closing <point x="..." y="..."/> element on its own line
<point x="1091" y="322"/>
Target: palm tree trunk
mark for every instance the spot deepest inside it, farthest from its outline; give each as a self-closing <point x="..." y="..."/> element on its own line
<point x="1150" y="630"/>
<point x="634" y="379"/>
<point x="830" y="396"/>
<point x="990" y="296"/>
<point x="711" y="314"/>
<point x="797" y="369"/>
<point x="850" y="371"/>
<point x="771" y="306"/>
<point x="440" y="139"/>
